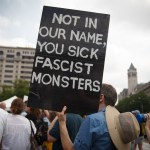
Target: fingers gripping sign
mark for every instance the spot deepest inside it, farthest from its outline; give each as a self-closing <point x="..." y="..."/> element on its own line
<point x="61" y="115"/>
<point x="64" y="109"/>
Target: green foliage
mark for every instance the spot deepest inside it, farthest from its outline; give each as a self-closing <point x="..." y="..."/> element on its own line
<point x="7" y="92"/>
<point x="20" y="88"/>
<point x="138" y="101"/>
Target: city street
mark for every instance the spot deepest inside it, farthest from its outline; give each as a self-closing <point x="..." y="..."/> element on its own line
<point x="146" y="146"/>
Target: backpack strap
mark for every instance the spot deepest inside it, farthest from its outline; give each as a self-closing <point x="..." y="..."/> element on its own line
<point x="34" y="145"/>
<point x="32" y="132"/>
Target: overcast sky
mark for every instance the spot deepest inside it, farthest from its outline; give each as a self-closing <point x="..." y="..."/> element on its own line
<point x="128" y="37"/>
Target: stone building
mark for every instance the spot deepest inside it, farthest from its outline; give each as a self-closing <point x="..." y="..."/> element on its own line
<point x="144" y="88"/>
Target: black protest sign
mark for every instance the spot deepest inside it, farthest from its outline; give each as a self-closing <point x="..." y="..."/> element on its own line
<point x="69" y="60"/>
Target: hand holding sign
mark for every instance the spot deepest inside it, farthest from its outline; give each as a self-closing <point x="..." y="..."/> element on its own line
<point x="61" y="115"/>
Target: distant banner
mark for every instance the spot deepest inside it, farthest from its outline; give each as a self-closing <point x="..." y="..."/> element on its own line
<point x="69" y="60"/>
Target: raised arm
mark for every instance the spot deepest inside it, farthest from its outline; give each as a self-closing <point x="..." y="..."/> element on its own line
<point x="65" y="139"/>
<point x="49" y="137"/>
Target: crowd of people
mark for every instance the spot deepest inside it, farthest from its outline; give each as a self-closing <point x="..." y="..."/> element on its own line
<point x="105" y="130"/>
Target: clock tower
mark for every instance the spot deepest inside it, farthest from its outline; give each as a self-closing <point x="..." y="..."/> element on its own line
<point x="132" y="79"/>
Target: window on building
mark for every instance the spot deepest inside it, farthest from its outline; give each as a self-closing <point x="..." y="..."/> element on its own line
<point x="26" y="72"/>
<point x="26" y="67"/>
<point x="8" y="76"/>
<point x="7" y="81"/>
<point x="9" y="66"/>
<point x="1" y="53"/>
<point x="10" y="56"/>
<point x="27" y="57"/>
<point x="133" y="74"/>
<point x="10" y="51"/>
<point x="18" y="54"/>
<point x="27" y="62"/>
<point x="9" y="71"/>
<point x="10" y="61"/>
<point x="25" y="77"/>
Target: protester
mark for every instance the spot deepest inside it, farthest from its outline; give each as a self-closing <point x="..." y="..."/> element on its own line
<point x="139" y="141"/>
<point x="3" y="105"/>
<point x="3" y="117"/>
<point x="34" y="114"/>
<point x="26" y="109"/>
<point x="17" y="130"/>
<point x="51" y="116"/>
<point x="45" y="117"/>
<point x="42" y="123"/>
<point x="73" y="122"/>
<point x="99" y="130"/>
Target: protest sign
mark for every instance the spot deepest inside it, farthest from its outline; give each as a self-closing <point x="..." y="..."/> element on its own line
<point x="69" y="60"/>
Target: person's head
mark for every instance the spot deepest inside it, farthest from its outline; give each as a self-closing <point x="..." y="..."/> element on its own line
<point x="26" y="108"/>
<point x="3" y="105"/>
<point x="108" y="95"/>
<point x="36" y="112"/>
<point x="17" y="106"/>
<point x="135" y="112"/>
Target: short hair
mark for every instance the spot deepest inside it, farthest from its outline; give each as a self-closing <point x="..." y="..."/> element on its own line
<point x="17" y="106"/>
<point x="109" y="93"/>
<point x="36" y="112"/>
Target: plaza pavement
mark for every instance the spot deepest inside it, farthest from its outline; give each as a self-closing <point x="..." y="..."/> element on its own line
<point x="146" y="146"/>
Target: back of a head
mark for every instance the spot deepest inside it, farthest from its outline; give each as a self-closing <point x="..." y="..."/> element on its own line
<point x="109" y="93"/>
<point x="17" y="106"/>
<point x="36" y="112"/>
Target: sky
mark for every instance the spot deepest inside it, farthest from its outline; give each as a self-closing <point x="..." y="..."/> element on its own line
<point x="128" y="36"/>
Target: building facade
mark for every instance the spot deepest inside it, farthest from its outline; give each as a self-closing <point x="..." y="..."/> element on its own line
<point x="123" y="94"/>
<point x="144" y="88"/>
<point x="15" y="63"/>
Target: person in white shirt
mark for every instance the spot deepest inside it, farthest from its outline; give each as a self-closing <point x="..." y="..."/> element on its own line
<point x="3" y="117"/>
<point x="17" y="131"/>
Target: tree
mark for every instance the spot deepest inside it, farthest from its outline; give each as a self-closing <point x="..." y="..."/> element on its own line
<point x="7" y="92"/>
<point x="138" y="101"/>
<point x="19" y="88"/>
